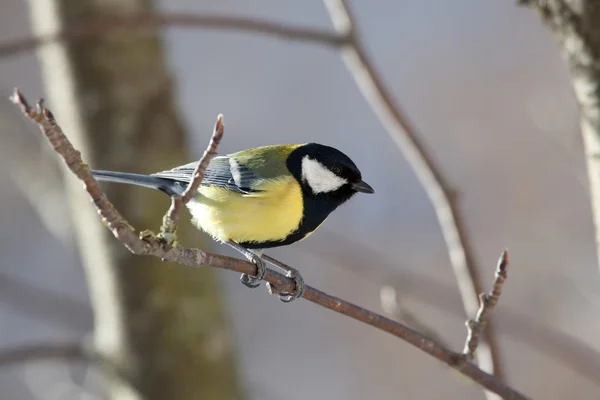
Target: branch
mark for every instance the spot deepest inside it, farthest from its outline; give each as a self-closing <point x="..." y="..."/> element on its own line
<point x="171" y="219"/>
<point x="76" y="351"/>
<point x="99" y="27"/>
<point x="45" y="352"/>
<point x="44" y="305"/>
<point x="429" y="174"/>
<point x="150" y="244"/>
<point x="475" y="327"/>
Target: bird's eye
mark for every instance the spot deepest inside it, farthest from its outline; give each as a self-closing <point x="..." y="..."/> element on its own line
<point x="336" y="170"/>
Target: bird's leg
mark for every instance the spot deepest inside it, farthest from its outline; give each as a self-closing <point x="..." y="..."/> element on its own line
<point x="261" y="269"/>
<point x="290" y="273"/>
<point x="257" y="257"/>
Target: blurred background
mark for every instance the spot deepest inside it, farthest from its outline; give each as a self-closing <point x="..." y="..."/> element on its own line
<point x="484" y="84"/>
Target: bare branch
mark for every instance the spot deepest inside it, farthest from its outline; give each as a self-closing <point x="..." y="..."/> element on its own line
<point x="98" y="27"/>
<point x="429" y="174"/>
<point x="149" y="244"/>
<point x="44" y="305"/>
<point x="44" y="351"/>
<point x="73" y="352"/>
<point x="171" y="218"/>
<point x="209" y="153"/>
<point x="475" y="327"/>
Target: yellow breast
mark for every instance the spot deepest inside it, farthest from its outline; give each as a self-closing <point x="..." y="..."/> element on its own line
<point x="270" y="215"/>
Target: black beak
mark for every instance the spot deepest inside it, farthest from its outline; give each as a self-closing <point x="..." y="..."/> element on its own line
<point x="362" y="187"/>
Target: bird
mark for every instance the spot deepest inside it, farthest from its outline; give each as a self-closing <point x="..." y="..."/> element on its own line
<point x="261" y="198"/>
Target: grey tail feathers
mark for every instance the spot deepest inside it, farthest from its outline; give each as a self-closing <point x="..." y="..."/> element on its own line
<point x="168" y="186"/>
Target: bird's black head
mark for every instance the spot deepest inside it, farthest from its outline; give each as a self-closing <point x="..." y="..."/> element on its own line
<point x="324" y="171"/>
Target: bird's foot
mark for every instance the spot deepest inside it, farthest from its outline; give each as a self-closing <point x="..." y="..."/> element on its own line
<point x="258" y="259"/>
<point x="299" y="290"/>
<point x="261" y="269"/>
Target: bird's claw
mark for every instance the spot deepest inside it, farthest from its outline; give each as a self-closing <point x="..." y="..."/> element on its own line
<point x="298" y="292"/>
<point x="261" y="269"/>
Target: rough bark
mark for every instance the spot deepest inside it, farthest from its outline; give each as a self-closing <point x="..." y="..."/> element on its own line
<point x="163" y="324"/>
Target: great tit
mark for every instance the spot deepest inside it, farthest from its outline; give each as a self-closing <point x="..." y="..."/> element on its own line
<point x="261" y="198"/>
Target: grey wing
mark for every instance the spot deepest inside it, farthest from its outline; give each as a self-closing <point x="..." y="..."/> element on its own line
<point x="222" y="171"/>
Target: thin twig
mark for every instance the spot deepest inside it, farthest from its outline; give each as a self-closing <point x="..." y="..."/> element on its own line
<point x="44" y="305"/>
<point x="476" y="326"/>
<point x="97" y="27"/>
<point x="44" y="351"/>
<point x="73" y="352"/>
<point x="209" y="153"/>
<point x="150" y="244"/>
<point x="442" y="198"/>
<point x="171" y="218"/>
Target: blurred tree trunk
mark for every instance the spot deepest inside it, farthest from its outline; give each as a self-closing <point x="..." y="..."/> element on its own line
<point x="585" y="71"/>
<point x="163" y="324"/>
<point x="576" y="24"/>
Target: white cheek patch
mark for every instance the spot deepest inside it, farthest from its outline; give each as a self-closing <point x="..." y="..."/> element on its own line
<point x="319" y="178"/>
